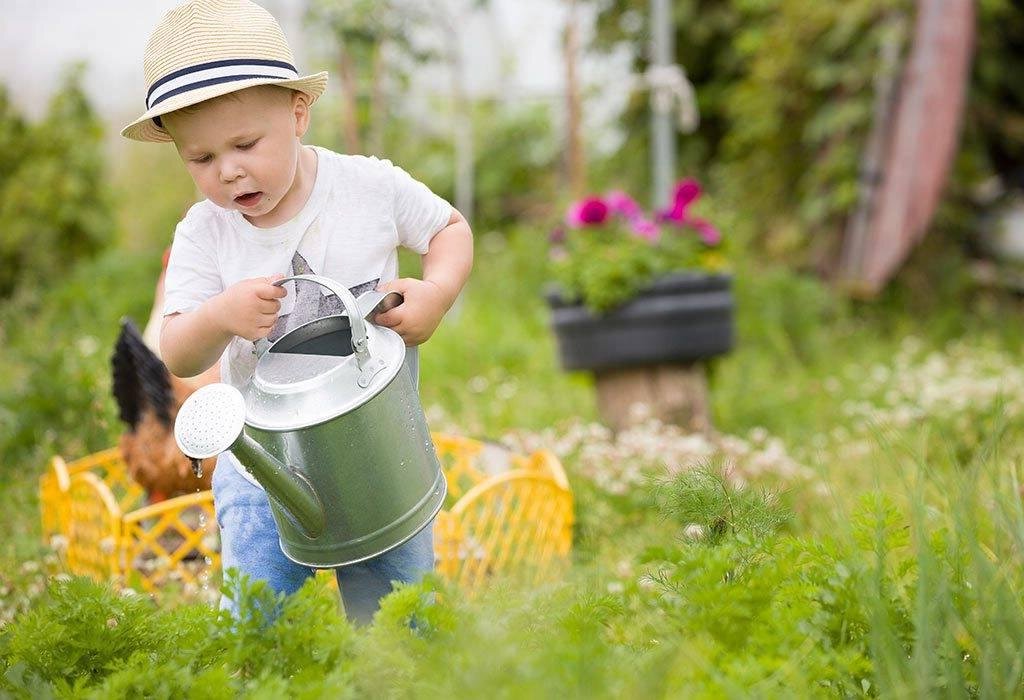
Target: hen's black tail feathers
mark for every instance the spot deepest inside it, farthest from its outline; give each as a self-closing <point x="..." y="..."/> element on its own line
<point x="141" y="379"/>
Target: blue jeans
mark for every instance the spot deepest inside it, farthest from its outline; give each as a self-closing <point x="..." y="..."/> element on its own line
<point x="249" y="543"/>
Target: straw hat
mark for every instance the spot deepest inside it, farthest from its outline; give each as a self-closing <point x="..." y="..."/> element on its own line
<point x="207" y="48"/>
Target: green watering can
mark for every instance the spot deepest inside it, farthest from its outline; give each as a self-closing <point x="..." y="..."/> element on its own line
<point x="332" y="427"/>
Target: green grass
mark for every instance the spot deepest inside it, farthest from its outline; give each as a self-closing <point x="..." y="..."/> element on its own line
<point x="493" y="365"/>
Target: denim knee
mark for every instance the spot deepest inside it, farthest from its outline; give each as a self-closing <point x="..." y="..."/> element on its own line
<point x="363" y="584"/>
<point x="248" y="534"/>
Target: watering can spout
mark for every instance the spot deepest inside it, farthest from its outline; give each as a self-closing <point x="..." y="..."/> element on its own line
<point x="282" y="482"/>
<point x="212" y="420"/>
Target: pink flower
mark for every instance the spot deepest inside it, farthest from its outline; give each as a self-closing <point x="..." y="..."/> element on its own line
<point x="645" y="228"/>
<point x="595" y="211"/>
<point x="685" y="193"/>
<point x="587" y="212"/>
<point x="707" y="233"/>
<point x="621" y="203"/>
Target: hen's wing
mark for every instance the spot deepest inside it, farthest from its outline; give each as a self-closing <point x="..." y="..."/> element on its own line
<point x="148" y="398"/>
<point x="140" y="378"/>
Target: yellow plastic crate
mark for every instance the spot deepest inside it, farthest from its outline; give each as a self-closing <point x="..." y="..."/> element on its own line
<point x="506" y="514"/>
<point x="95" y="516"/>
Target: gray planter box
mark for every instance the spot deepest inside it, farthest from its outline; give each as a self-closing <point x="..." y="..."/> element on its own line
<point x="681" y="318"/>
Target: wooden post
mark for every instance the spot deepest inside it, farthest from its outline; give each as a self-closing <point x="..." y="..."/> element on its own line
<point x="672" y="393"/>
<point x="576" y="166"/>
<point x="349" y="101"/>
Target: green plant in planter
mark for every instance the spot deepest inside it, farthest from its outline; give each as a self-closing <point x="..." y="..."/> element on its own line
<point x="609" y="248"/>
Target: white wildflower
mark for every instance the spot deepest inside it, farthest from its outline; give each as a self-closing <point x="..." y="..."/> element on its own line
<point x="506" y="390"/>
<point x="694" y="531"/>
<point x="87" y="345"/>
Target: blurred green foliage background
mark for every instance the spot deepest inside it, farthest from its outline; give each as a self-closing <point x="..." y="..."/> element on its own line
<point x="785" y="92"/>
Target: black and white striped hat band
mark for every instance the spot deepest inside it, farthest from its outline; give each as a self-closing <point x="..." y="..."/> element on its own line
<point x="217" y="72"/>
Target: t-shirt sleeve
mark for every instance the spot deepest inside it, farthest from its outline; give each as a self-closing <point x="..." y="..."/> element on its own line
<point x="192" y="273"/>
<point x="418" y="212"/>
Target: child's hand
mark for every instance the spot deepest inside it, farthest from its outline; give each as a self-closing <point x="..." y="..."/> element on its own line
<point x="249" y="308"/>
<point x="419" y="315"/>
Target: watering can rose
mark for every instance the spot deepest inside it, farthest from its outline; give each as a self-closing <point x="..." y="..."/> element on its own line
<point x="608" y="248"/>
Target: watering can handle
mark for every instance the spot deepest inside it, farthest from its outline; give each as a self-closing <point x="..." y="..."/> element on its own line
<point x="355" y="318"/>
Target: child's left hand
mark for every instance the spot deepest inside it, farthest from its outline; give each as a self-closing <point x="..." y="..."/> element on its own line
<point x="419" y="314"/>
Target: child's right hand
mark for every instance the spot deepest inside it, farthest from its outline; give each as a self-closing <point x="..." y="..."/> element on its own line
<point x="248" y="308"/>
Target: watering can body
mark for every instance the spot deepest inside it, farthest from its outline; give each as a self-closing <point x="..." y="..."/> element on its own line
<point x="340" y="443"/>
<point x="374" y="470"/>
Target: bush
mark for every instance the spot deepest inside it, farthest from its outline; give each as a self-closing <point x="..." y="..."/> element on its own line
<point x="55" y="208"/>
<point x="88" y="640"/>
<point x="786" y="95"/>
<point x="55" y="377"/>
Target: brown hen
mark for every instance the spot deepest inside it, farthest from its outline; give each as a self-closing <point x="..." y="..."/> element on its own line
<point x="148" y="397"/>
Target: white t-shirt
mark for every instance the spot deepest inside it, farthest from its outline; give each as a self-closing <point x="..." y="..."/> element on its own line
<point x="359" y="212"/>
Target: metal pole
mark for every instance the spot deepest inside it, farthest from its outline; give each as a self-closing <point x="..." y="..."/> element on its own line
<point x="663" y="134"/>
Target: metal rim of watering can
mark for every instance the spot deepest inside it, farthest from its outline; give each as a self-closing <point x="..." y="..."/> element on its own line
<point x="356" y="323"/>
<point x="332" y="335"/>
<point x="290" y="391"/>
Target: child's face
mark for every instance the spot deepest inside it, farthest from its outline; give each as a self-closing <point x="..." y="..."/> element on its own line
<point x="242" y="150"/>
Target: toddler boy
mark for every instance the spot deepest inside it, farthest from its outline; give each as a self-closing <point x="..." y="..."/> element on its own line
<point x="223" y="87"/>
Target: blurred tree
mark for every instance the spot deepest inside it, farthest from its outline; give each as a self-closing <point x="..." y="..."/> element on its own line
<point x="575" y="157"/>
<point x="55" y="207"/>
<point x="374" y="43"/>
<point x="785" y="95"/>
<point x="379" y="45"/>
<point x="989" y="168"/>
<point x="378" y="37"/>
<point x="704" y="43"/>
<point x="996" y="105"/>
<point x="517" y="158"/>
<point x="13" y="137"/>
<point x="452" y="16"/>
